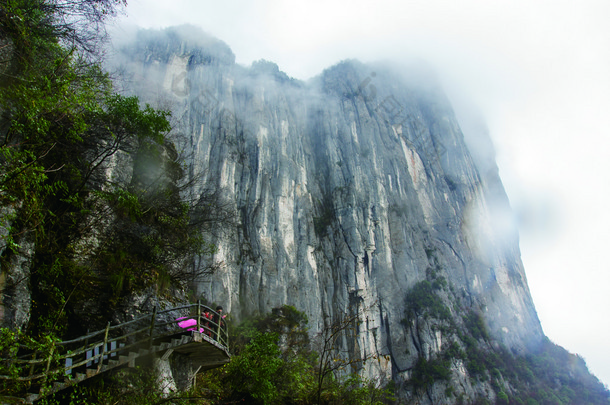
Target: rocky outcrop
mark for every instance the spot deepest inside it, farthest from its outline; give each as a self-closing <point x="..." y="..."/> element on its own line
<point x="349" y="190"/>
<point x="15" y="291"/>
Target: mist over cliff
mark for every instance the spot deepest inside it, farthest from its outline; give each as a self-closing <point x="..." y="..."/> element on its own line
<point x="351" y="192"/>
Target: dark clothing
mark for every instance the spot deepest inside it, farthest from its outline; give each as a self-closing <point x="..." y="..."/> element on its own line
<point x="217" y="325"/>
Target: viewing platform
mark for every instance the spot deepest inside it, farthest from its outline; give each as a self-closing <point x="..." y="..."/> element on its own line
<point x="194" y="331"/>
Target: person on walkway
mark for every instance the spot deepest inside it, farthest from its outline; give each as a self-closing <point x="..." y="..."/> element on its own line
<point x="206" y="322"/>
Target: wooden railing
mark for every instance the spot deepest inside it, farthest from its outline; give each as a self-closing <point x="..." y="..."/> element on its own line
<point x="116" y="345"/>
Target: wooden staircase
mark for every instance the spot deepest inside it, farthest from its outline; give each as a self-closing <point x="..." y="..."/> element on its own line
<point x="125" y="345"/>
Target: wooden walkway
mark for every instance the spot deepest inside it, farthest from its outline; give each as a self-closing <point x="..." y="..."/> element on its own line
<point x="154" y="335"/>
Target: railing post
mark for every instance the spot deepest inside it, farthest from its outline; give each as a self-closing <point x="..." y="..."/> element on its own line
<point x="49" y="359"/>
<point x="218" y="328"/>
<point x="152" y="327"/>
<point x="48" y="367"/>
<point x="101" y="360"/>
<point x="85" y="344"/>
<point x="32" y="365"/>
<point x="198" y="316"/>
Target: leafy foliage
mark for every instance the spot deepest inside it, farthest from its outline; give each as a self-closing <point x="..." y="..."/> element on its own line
<point x="137" y="386"/>
<point x="74" y="23"/>
<point x="256" y="369"/>
<point x="327" y="215"/>
<point x="91" y="178"/>
<point x="422" y="300"/>
<point x="275" y="365"/>
<point x="15" y="345"/>
<point x="427" y="372"/>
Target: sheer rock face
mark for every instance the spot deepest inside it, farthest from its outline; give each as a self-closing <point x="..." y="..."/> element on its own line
<point x="347" y="189"/>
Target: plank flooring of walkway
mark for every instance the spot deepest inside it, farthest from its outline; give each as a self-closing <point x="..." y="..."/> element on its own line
<point x="155" y="335"/>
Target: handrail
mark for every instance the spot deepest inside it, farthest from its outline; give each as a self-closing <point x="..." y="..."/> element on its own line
<point x="179" y="308"/>
<point x="43" y="364"/>
<point x="98" y="332"/>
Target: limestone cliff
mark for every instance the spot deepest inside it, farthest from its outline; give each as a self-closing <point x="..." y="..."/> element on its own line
<point x="350" y="190"/>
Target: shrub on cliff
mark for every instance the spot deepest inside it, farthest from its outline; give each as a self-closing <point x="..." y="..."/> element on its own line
<point x="274" y="364"/>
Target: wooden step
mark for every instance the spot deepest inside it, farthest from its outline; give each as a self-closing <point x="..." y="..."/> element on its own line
<point x="129" y="359"/>
<point x="91" y="372"/>
<point x="132" y="359"/>
<point x="80" y="377"/>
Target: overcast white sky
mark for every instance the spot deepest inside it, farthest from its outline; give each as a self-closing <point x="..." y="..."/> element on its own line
<point x="538" y="71"/>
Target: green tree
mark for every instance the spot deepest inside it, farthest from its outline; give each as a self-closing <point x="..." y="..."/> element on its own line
<point x="255" y="370"/>
<point x="96" y="238"/>
<point x="274" y="364"/>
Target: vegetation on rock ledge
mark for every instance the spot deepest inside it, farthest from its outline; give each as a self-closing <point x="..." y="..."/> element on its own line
<point x="546" y="375"/>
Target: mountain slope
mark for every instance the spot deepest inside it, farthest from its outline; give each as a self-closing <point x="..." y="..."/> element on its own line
<point x="354" y="193"/>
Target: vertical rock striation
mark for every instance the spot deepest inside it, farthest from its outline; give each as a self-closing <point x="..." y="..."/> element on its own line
<point x="349" y="190"/>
